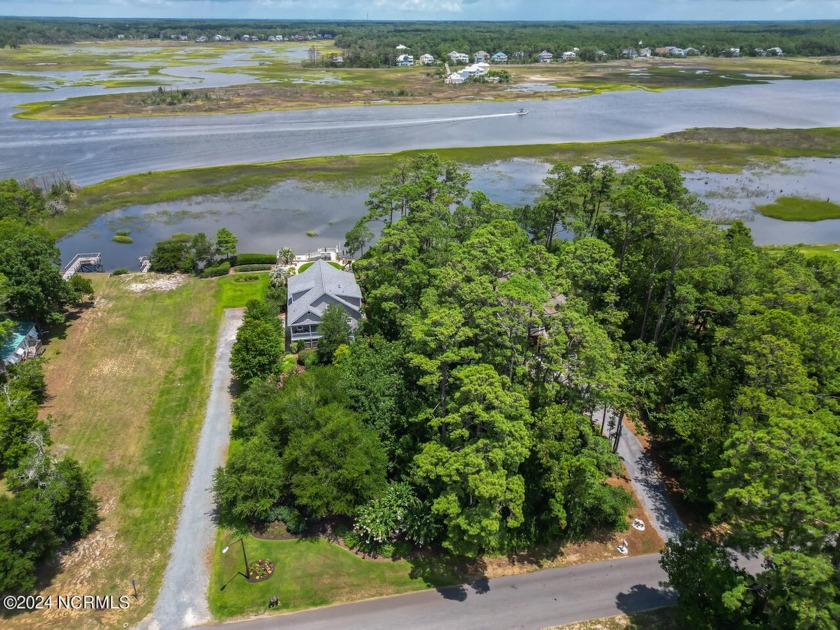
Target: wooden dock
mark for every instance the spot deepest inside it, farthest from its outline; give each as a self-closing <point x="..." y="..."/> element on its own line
<point x="82" y="262"/>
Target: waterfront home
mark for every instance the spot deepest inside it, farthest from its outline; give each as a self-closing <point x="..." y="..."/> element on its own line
<point x="545" y="57"/>
<point x="405" y="60"/>
<point x="457" y="57"/>
<point x="569" y="55"/>
<point x="629" y="53"/>
<point x="401" y="47"/>
<point x="427" y="59"/>
<point x="21" y="344"/>
<point x="644" y="52"/>
<point x="456" y="78"/>
<point x="481" y="56"/>
<point x="309" y="295"/>
<point x="499" y="57"/>
<point x="775" y="51"/>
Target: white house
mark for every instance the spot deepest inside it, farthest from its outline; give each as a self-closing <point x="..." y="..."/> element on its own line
<point x="405" y="60"/>
<point x="456" y="78"/>
<point x="309" y="295"/>
<point x="569" y="55"/>
<point x="201" y="39"/>
<point x="629" y="53"/>
<point x="245" y="38"/>
<point x="457" y="57"/>
<point x="644" y="52"/>
<point x="427" y="59"/>
<point x="481" y="56"/>
<point x="401" y="47"/>
<point x="775" y="51"/>
<point x="545" y="57"/>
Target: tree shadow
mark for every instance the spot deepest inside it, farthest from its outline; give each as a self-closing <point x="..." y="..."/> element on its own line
<point x="643" y="597"/>
<point x="450" y="576"/>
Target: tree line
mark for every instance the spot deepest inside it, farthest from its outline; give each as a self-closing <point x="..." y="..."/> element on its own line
<point x="468" y="411"/>
<point x="372" y="44"/>
<point x="48" y="502"/>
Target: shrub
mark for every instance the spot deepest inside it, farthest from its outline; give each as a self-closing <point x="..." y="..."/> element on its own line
<point x="402" y="549"/>
<point x="253" y="259"/>
<point x="311" y="233"/>
<point x="304" y="354"/>
<point x="120" y="272"/>
<point x="386" y="550"/>
<point x="311" y="360"/>
<point x="221" y="269"/>
<point x="294" y="520"/>
<point x="351" y="539"/>
<point x="252" y="268"/>
<point x="120" y="238"/>
<point x="300" y="346"/>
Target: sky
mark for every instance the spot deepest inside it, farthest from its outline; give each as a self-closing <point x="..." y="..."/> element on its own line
<point x="613" y="10"/>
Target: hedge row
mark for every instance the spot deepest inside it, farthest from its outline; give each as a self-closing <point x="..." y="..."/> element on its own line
<point x="253" y="267"/>
<point x="253" y="259"/>
<point x="221" y="269"/>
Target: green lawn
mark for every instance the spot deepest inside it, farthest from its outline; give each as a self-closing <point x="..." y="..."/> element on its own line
<point x="235" y="291"/>
<point x="800" y="209"/>
<point x="308" y="573"/>
<point x="306" y="266"/>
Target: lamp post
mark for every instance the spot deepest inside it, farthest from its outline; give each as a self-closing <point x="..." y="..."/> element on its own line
<point x="244" y="556"/>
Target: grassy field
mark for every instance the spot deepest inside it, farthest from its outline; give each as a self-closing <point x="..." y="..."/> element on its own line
<point x="309" y="573"/>
<point x="127" y="385"/>
<point x="800" y="209"/>
<point x="724" y="150"/>
<point x="286" y="85"/>
<point x="234" y="291"/>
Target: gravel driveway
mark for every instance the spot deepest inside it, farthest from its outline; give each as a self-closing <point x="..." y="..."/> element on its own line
<point x="182" y="601"/>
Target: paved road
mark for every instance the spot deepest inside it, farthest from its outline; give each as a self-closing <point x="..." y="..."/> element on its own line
<point x="535" y="600"/>
<point x="182" y="601"/>
<point x="649" y="486"/>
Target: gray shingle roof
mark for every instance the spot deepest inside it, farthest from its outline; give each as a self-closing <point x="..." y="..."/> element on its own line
<point x="320" y="279"/>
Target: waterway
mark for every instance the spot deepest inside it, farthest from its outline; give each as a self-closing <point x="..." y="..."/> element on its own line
<point x="284" y="213"/>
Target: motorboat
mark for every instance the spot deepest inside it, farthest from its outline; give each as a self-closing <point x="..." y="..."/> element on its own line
<point x="522" y="112"/>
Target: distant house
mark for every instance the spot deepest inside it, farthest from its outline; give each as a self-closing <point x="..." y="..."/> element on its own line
<point x="732" y="52"/>
<point x="201" y="39"/>
<point x="337" y="59"/>
<point x="456" y="78"/>
<point x="457" y="57"/>
<point x="629" y="53"/>
<point x="405" y="60"/>
<point x="499" y="57"/>
<point x="690" y="52"/>
<point x="401" y="47"/>
<point x="271" y="38"/>
<point x="545" y="57"/>
<point x="120" y="36"/>
<point x="775" y="52"/>
<point x="22" y="343"/>
<point x="569" y="55"/>
<point x="481" y="56"/>
<point x="245" y="38"/>
<point x="644" y="52"/>
<point x="427" y="59"/>
<point x="519" y="55"/>
<point x="311" y="292"/>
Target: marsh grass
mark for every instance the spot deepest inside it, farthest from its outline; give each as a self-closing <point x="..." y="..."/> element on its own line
<point x="800" y="209"/>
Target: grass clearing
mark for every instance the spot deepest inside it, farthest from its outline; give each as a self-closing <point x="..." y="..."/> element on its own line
<point x="800" y="209"/>
<point x="128" y="382"/>
<point x="235" y="291"/>
<point x="720" y="150"/>
<point x="309" y="573"/>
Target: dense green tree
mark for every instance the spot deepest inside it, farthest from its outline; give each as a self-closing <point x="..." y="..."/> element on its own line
<point x="334" y="463"/>
<point x="251" y="483"/>
<point x="79" y="288"/>
<point x="18" y="423"/>
<point x="712" y="593"/>
<point x="226" y="242"/>
<point x="170" y="255"/>
<point x="334" y="331"/>
<point x="30" y="261"/>
<point x="26" y="538"/>
<point x="256" y="351"/>
<point x="472" y="467"/>
<point x="285" y="255"/>
<point x="202" y="252"/>
<point x="20" y="202"/>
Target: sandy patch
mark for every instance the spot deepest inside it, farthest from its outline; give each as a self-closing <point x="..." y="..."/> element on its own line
<point x="157" y="283"/>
